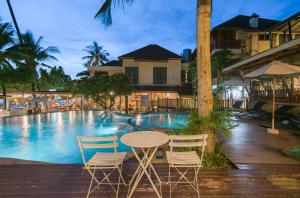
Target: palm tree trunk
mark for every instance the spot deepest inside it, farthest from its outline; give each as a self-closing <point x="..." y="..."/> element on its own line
<point x="4" y="97"/>
<point x="14" y="21"/>
<point x="205" y="100"/>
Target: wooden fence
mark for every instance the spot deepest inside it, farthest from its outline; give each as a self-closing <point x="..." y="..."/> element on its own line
<point x="191" y="103"/>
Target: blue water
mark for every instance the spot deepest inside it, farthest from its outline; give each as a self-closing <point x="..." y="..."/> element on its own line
<point x="52" y="137"/>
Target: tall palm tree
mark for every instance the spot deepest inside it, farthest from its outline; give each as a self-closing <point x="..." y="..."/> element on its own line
<point x="205" y="99"/>
<point x="14" y="21"/>
<point x="6" y="69"/>
<point x="35" y="56"/>
<point x="96" y="55"/>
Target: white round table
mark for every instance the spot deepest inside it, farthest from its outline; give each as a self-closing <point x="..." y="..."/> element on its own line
<point x="148" y="142"/>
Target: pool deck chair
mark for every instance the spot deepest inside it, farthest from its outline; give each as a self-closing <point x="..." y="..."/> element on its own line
<point x="183" y="161"/>
<point x="103" y="162"/>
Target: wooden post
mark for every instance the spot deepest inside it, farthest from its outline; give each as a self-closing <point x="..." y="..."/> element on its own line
<point x="126" y="104"/>
<point x="167" y="104"/>
<point x="273" y="107"/>
<point x="81" y="102"/>
<point x="290" y="31"/>
<point x="271" y="40"/>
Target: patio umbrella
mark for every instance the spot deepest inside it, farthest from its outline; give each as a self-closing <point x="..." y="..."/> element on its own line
<point x="273" y="70"/>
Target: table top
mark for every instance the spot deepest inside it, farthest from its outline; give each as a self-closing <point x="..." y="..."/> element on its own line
<point x="145" y="139"/>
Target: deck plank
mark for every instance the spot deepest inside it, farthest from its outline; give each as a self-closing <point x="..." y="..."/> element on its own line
<point x="66" y="181"/>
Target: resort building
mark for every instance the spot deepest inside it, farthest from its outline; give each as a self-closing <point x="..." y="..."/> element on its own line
<point x="156" y="73"/>
<point x="244" y="35"/>
<point x="283" y="45"/>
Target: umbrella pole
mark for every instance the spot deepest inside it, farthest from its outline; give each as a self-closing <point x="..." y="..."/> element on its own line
<point x="273" y="130"/>
<point x="273" y="107"/>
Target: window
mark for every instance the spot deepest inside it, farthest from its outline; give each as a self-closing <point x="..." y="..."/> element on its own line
<point x="133" y="73"/>
<point x="263" y="37"/>
<point x="183" y="76"/>
<point x="159" y="75"/>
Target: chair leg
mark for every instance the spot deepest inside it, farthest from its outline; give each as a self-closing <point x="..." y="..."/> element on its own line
<point x="196" y="181"/>
<point x="120" y="172"/>
<point x="169" y="181"/>
<point x="91" y="183"/>
<point x="119" y="180"/>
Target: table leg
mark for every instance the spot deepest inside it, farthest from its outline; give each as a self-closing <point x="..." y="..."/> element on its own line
<point x="143" y="168"/>
<point x="151" y="166"/>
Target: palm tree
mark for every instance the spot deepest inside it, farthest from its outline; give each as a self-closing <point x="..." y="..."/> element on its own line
<point x="14" y="21"/>
<point x="6" y="69"/>
<point x="205" y="99"/>
<point x="35" y="56"/>
<point x="96" y="55"/>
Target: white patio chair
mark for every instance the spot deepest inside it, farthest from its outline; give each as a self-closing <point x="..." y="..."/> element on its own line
<point x="104" y="162"/>
<point x="183" y="161"/>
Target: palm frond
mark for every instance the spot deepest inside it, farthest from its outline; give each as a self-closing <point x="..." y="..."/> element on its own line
<point x="104" y="13"/>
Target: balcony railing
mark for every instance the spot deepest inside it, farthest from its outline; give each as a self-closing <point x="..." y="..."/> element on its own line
<point x="281" y="95"/>
<point x="227" y="44"/>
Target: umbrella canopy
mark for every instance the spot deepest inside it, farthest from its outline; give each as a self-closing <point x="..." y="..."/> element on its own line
<point x="274" y="69"/>
<point x="235" y="81"/>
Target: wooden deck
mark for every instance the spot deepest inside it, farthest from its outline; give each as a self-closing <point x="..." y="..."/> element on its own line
<point x="70" y="181"/>
<point x="251" y="144"/>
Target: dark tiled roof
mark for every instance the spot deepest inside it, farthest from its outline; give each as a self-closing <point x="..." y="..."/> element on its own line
<point x="242" y="22"/>
<point x="113" y="63"/>
<point x="151" y="52"/>
<point x="181" y="90"/>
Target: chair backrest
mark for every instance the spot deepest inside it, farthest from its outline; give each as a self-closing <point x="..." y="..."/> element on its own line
<point x="189" y="141"/>
<point x="96" y="143"/>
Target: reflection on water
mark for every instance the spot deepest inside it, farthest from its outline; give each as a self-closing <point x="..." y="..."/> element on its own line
<point x="52" y="137"/>
<point x="161" y="120"/>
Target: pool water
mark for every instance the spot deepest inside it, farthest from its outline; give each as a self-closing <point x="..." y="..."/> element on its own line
<point x="51" y="137"/>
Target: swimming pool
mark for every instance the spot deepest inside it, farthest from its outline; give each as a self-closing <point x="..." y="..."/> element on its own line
<point x="51" y="137"/>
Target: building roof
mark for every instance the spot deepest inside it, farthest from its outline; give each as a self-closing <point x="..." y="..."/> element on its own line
<point x="116" y="63"/>
<point x="242" y="22"/>
<point x="283" y="26"/>
<point x="276" y="53"/>
<point x="151" y="52"/>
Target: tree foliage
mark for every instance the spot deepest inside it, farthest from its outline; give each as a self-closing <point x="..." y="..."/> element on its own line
<point x="55" y="79"/>
<point x="96" y="55"/>
<point x="104" y="89"/>
<point x="35" y="55"/>
<point x="104" y="13"/>
<point x="220" y="60"/>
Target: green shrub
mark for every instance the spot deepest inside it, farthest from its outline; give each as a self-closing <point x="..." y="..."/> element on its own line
<point x="293" y="152"/>
<point x="216" y="159"/>
<point x="218" y="122"/>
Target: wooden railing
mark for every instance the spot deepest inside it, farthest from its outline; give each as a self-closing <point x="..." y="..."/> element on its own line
<point x="191" y="103"/>
<point x="226" y="44"/>
<point x="281" y="95"/>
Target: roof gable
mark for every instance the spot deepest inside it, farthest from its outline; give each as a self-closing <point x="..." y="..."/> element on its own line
<point x="151" y="52"/>
<point x="113" y="63"/>
<point x="242" y="22"/>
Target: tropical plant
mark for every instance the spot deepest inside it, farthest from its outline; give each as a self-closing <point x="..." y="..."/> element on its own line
<point x="96" y="55"/>
<point x="35" y="56"/>
<point x="218" y="122"/>
<point x="221" y="60"/>
<point x="55" y="79"/>
<point x="6" y="56"/>
<point x="104" y="89"/>
<point x="216" y="159"/>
